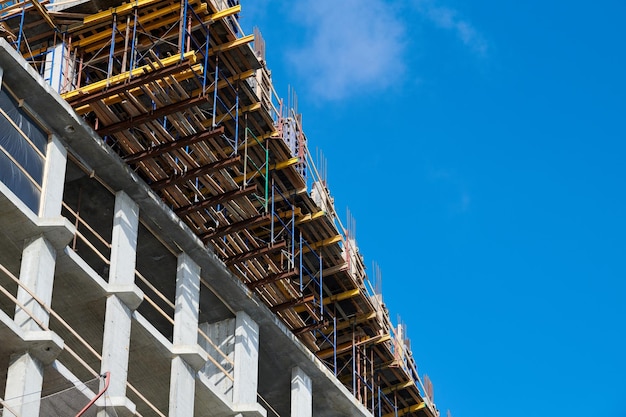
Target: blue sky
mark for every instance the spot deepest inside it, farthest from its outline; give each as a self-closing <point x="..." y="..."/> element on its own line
<point x="480" y="147"/>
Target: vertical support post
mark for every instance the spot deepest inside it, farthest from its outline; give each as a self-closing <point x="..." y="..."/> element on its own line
<point x="19" y="35"/>
<point x="182" y="379"/>
<point x="126" y="40"/>
<point x="61" y="62"/>
<point x="205" y="69"/>
<point x="132" y="47"/>
<point x="300" y="267"/>
<point x="293" y="234"/>
<point x="24" y="384"/>
<point x="222" y="334"/>
<point x="373" y="394"/>
<point x="335" y="343"/>
<point x="37" y="274"/>
<point x="238" y="339"/>
<point x="246" y="370"/>
<point x="183" y="28"/>
<point x="25" y="374"/>
<point x="267" y="170"/>
<point x="112" y="49"/>
<point x="217" y="77"/>
<point x="117" y="325"/>
<point x="353" y="364"/>
<point x="301" y="394"/>
<point x="54" y="179"/>
<point x="237" y="116"/>
<point x="321" y="287"/>
<point x="272" y="214"/>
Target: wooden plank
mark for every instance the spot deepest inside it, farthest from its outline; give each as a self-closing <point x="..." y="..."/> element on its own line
<point x="212" y="201"/>
<point x="153" y="114"/>
<point x="255" y="253"/>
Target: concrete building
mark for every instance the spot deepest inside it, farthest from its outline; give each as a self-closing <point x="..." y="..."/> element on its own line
<point x="168" y="247"/>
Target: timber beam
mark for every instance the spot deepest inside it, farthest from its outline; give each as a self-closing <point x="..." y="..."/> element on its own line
<point x="153" y="114"/>
<point x="311" y="327"/>
<point x="137" y="81"/>
<point x="248" y="224"/>
<point x="255" y="253"/>
<point x="398" y="387"/>
<point x="177" y="144"/>
<point x="346" y="347"/>
<point x="212" y="201"/>
<point x="337" y="297"/>
<point x="195" y="172"/>
<point x="273" y="278"/>
<point x="292" y="303"/>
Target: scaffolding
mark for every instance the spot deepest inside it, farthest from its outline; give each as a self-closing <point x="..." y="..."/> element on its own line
<point x="186" y="99"/>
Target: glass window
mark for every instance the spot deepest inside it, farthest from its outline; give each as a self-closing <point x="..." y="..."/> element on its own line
<point x="22" y="151"/>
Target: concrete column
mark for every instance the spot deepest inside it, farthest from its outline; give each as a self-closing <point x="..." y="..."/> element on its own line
<point x="183" y="375"/>
<point x="25" y="373"/>
<point x="301" y="394"/>
<point x="238" y="339"/>
<point x="222" y="334"/>
<point x="118" y="316"/>
<point x="24" y="384"/>
<point x="37" y="274"/>
<point x="124" y="240"/>
<point x="54" y="179"/>
<point x="246" y="371"/>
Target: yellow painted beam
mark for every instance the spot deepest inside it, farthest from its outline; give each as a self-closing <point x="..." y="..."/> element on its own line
<point x="310" y="217"/>
<point x="341" y="296"/>
<point x="274" y="167"/>
<point x="181" y="76"/>
<point x="116" y="98"/>
<point x="201" y="9"/>
<point x="106" y="35"/>
<point x="397" y="387"/>
<point x="358" y="320"/>
<point x="233" y="44"/>
<point x="321" y="243"/>
<point x="345" y="347"/>
<point x="98" y="38"/>
<point x="226" y="12"/>
<point x="99" y="85"/>
<point x="334" y="298"/>
<point x="407" y="410"/>
<point x="242" y="110"/>
<point x="326" y="242"/>
<point x="283" y="215"/>
<point x="105" y="15"/>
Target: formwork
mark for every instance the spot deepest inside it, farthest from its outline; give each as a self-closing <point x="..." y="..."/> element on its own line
<point x="186" y="99"/>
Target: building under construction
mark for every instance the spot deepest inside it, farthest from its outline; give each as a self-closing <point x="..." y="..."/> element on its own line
<point x="168" y="246"/>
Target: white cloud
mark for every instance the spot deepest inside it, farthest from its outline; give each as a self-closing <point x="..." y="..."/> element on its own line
<point x="349" y="46"/>
<point x="448" y="18"/>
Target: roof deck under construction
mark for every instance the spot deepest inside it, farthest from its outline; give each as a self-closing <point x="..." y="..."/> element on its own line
<point x="185" y="99"/>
